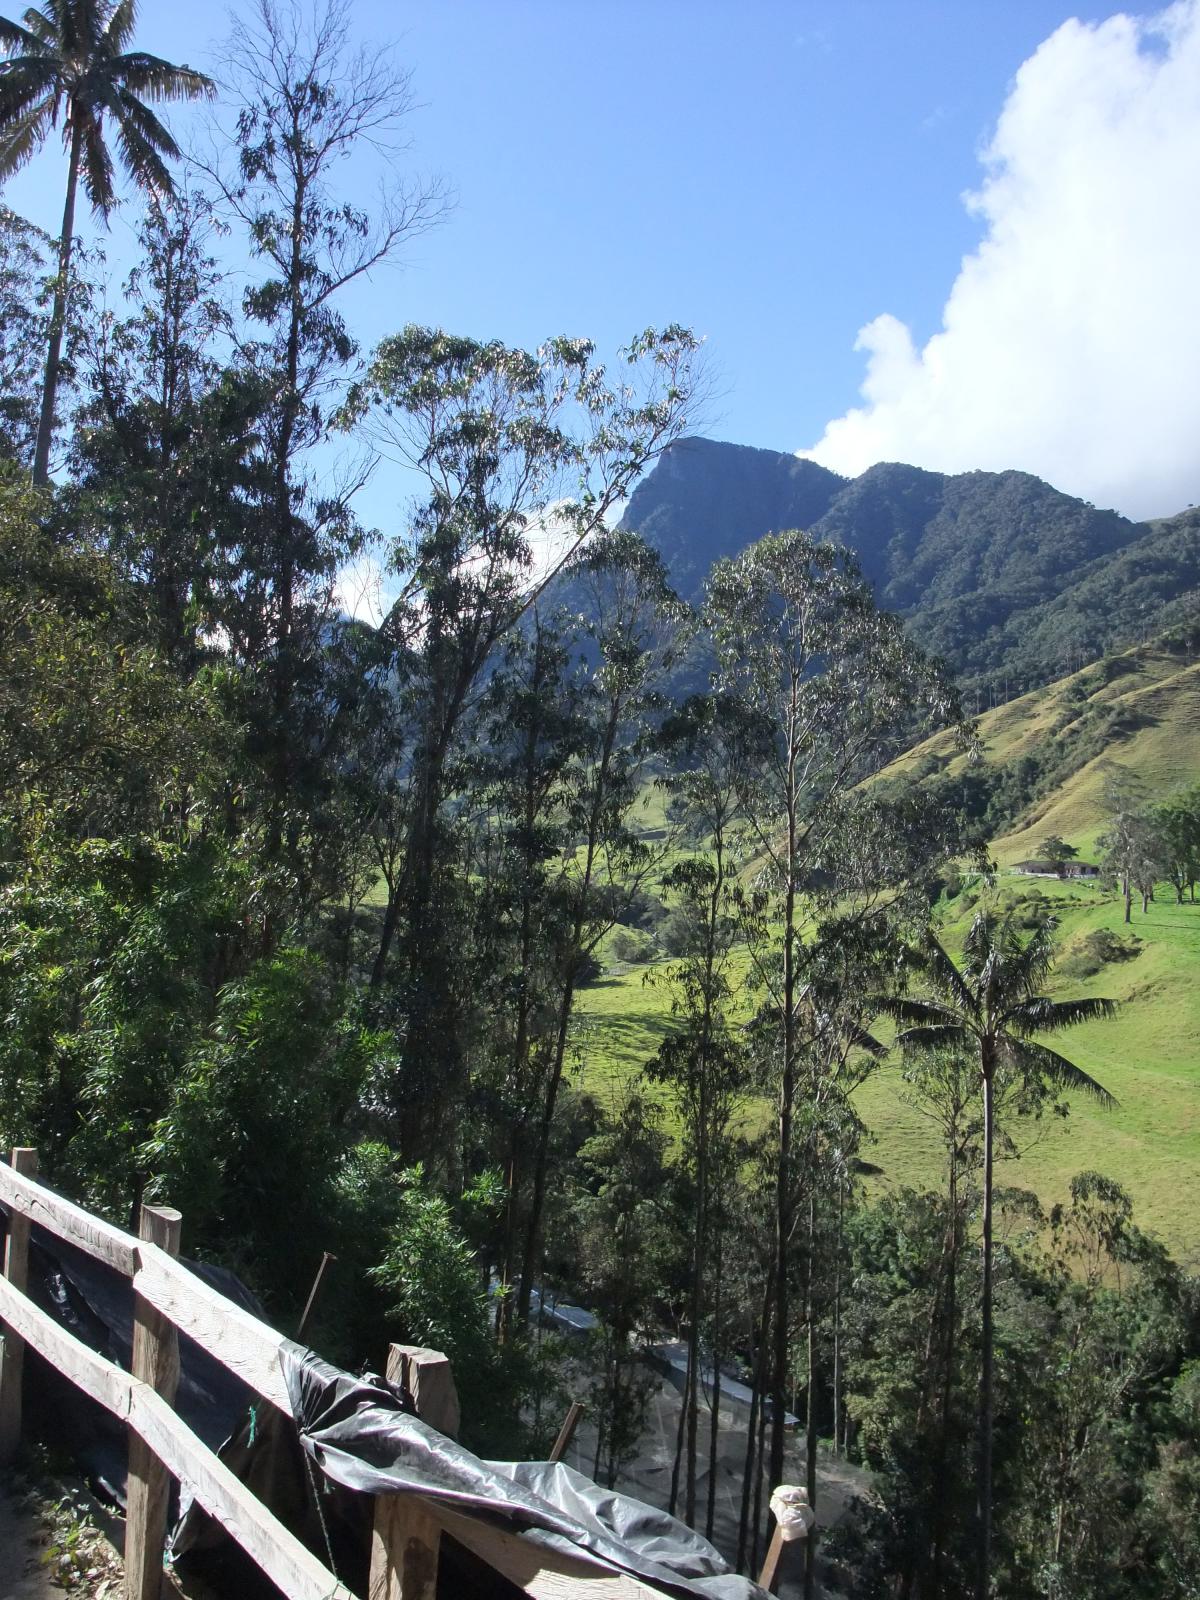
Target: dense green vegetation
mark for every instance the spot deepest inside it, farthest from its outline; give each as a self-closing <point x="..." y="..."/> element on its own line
<point x="337" y="935"/>
<point x="1010" y="580"/>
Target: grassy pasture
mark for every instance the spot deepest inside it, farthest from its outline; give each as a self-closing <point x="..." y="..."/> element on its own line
<point x="1148" y="1057"/>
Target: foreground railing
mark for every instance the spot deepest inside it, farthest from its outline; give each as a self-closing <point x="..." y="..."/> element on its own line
<point x="168" y="1298"/>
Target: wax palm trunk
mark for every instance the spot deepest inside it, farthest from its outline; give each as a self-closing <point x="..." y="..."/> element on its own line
<point x="990" y="1009"/>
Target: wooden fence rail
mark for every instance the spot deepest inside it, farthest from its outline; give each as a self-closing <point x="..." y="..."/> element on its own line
<point x="169" y="1299"/>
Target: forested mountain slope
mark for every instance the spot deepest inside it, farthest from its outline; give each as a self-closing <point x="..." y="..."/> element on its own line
<point x="999" y="572"/>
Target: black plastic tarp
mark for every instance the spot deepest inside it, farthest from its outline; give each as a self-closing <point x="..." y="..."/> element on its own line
<point x="352" y="1438"/>
<point x="357" y="1432"/>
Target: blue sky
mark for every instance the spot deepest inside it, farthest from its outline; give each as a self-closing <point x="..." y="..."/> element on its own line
<point x="776" y="175"/>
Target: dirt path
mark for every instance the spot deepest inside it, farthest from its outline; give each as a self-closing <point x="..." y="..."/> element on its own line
<point x="51" y="1547"/>
<point x="23" y="1575"/>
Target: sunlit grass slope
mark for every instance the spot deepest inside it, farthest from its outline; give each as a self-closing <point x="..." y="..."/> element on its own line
<point x="1143" y="711"/>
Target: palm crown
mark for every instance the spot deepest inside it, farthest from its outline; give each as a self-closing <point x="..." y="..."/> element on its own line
<point x="72" y="62"/>
<point x="991" y="1005"/>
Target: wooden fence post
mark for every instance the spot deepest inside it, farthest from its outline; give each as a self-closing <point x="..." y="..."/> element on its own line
<point x="156" y="1362"/>
<point x="12" y="1357"/>
<point x="405" y="1537"/>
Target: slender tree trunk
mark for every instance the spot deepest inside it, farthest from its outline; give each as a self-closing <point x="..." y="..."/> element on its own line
<point x="680" y="1437"/>
<point x="837" y="1321"/>
<point x="783" y="1181"/>
<point x="697" y="1302"/>
<point x="949" y="1334"/>
<point x="537" y="1203"/>
<point x="984" y="1570"/>
<point x="717" y="1353"/>
<point x="756" y="1530"/>
<point x="58" y="317"/>
<point x="1127" y="891"/>
<point x="752" y="1430"/>
<point x="810" y="1417"/>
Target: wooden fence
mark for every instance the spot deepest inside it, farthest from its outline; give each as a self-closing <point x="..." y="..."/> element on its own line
<point x="168" y="1298"/>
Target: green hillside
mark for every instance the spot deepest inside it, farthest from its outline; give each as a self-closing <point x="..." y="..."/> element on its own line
<point x="1141" y="709"/>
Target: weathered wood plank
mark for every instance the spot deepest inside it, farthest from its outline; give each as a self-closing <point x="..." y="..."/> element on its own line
<point x="12" y="1353"/>
<point x="280" y="1555"/>
<point x="156" y="1363"/>
<point x="404" y="1549"/>
<point x="429" y="1378"/>
<point x="542" y="1573"/>
<point x="405" y="1534"/>
<point x="68" y="1221"/>
<point x="241" y="1342"/>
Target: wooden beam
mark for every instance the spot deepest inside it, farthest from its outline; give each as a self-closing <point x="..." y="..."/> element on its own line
<point x="543" y="1573"/>
<point x="429" y="1378"/>
<point x="68" y="1221"/>
<point x="16" y="1271"/>
<point x="404" y="1549"/>
<point x="406" y="1534"/>
<point x="156" y="1363"/>
<point x="279" y="1553"/>
<point x="241" y="1342"/>
<point x="567" y="1432"/>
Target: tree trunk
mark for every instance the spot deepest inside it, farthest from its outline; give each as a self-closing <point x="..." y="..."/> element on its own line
<point x="810" y="1417"/>
<point x="984" y="1569"/>
<point x="717" y="1352"/>
<point x="752" y="1429"/>
<point x="58" y="318"/>
<point x="697" y="1304"/>
<point x="1127" y="891"/>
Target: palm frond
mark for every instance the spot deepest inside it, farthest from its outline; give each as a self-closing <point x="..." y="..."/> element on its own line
<point x="902" y="1008"/>
<point x="1059" y="1070"/>
<point x="1040" y="1014"/>
<point x="21" y="138"/>
<point x="14" y="37"/>
<point x="120" y="26"/>
<point x="158" y="79"/>
<point x="44" y="26"/>
<point x="936" y="1036"/>
<point x="24" y="82"/>
<point x="945" y="975"/>
<point x="862" y="1039"/>
<point x="31" y="73"/>
<point x="138" y="155"/>
<point x="97" y="167"/>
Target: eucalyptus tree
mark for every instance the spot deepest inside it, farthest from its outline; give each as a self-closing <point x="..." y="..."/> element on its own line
<point x="703" y="1062"/>
<point x="522" y="455"/>
<point x="74" y="61"/>
<point x="993" y="1008"/>
<point x="635" y="625"/>
<point x="531" y="729"/>
<point x="163" y="453"/>
<point x="828" y="686"/>
<point x="26" y="283"/>
<point x="307" y="100"/>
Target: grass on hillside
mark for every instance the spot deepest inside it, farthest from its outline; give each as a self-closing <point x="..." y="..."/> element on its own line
<point x="1148" y="1057"/>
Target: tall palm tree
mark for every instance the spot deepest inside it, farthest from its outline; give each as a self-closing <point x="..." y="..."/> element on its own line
<point x="991" y="1009"/>
<point x="72" y="61"/>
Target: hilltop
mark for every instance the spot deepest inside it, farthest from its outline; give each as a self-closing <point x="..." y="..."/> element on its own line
<point x="1004" y="575"/>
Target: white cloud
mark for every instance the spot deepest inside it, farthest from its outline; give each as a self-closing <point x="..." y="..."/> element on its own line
<point x="362" y="592"/>
<point x="1070" y="342"/>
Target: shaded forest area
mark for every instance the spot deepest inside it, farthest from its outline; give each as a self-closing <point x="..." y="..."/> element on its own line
<point x="295" y="911"/>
